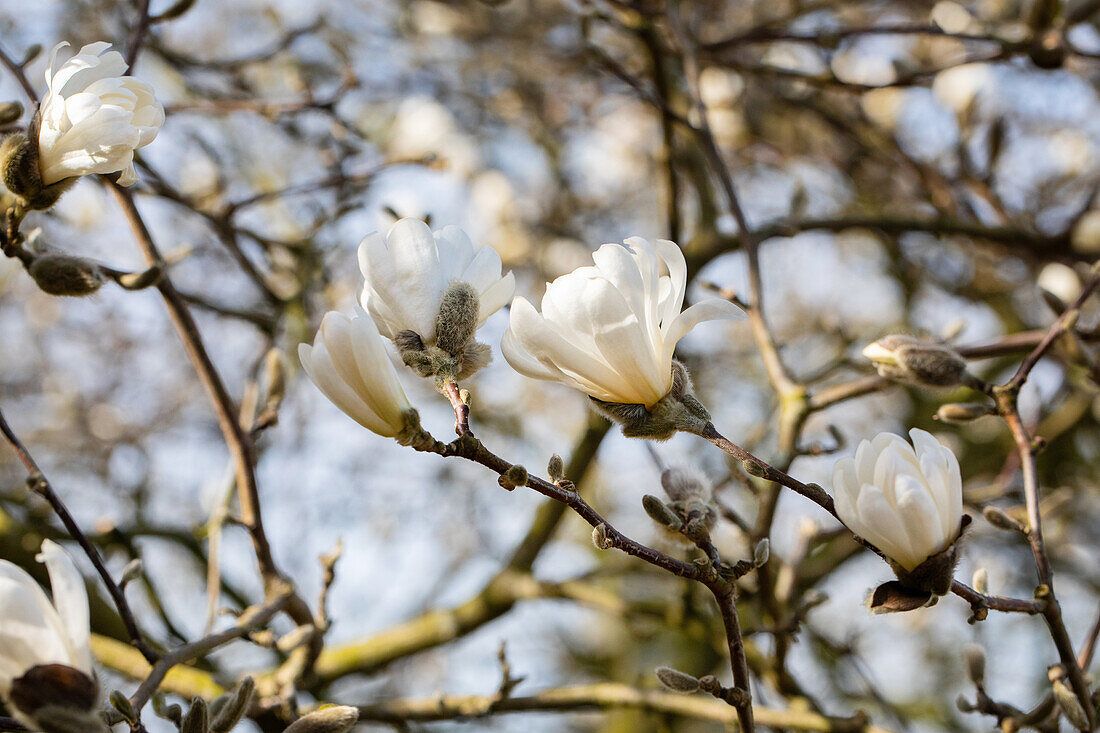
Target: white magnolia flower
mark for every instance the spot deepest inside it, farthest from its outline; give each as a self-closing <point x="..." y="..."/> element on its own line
<point x="610" y="330"/>
<point x="904" y="499"/>
<point x="34" y="631"/>
<point x="93" y="117"/>
<point x="349" y="364"/>
<point x="406" y="274"/>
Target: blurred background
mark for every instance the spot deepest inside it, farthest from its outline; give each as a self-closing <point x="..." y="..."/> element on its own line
<point x="933" y="180"/>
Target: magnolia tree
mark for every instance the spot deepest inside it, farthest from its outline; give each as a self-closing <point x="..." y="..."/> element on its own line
<point x="738" y="568"/>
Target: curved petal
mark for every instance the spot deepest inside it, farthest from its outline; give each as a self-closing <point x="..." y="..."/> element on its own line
<point x="708" y="310"/>
<point x="496" y="296"/>
<point x="31" y="632"/>
<point x="70" y="598"/>
<point x="921" y="518"/>
<point x="880" y="525"/>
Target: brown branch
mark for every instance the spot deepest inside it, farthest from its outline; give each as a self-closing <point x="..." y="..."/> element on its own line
<point x="41" y="486"/>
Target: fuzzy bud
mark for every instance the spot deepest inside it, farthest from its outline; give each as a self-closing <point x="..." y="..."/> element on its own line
<point x="54" y="719"/>
<point x="555" y="469"/>
<point x="753" y="468"/>
<point x="65" y="275"/>
<point x="336" y="719"/>
<point x="1000" y="519"/>
<point x="685" y="485"/>
<point x="761" y="552"/>
<point x="197" y="717"/>
<point x="513" y="477"/>
<point x="679" y="410"/>
<point x="908" y="359"/>
<point x="958" y="412"/>
<point x="660" y="512"/>
<point x="10" y="112"/>
<point x="1070" y="705"/>
<point x="235" y="706"/>
<point x="980" y="581"/>
<point x="600" y="538"/>
<point x="457" y="320"/>
<point x="20" y="173"/>
<point x="974" y="658"/>
<point x="677" y="681"/>
<point x="121" y="703"/>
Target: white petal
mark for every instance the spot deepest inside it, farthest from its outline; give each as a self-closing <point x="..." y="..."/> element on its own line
<point x="70" y="598"/>
<point x="921" y="518"/>
<point x="880" y="524"/>
<point x="31" y="632"/>
<point x="496" y="296"/>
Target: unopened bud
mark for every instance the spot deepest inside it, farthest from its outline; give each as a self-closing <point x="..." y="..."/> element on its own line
<point x="197" y="718"/>
<point x="964" y="705"/>
<point x="980" y="581"/>
<point x="908" y="359"/>
<point x="686" y="484"/>
<point x="600" y="538"/>
<point x="555" y="469"/>
<point x="64" y="275"/>
<point x="1000" y="519"/>
<point x="1070" y="705"/>
<point x="121" y="703"/>
<point x="336" y="719"/>
<point x="513" y="477"/>
<point x="234" y="708"/>
<point x="57" y="719"/>
<point x="753" y="468"/>
<point x="761" y="552"/>
<point x="458" y="317"/>
<point x="959" y="412"/>
<point x="974" y="658"/>
<point x="10" y="112"/>
<point x="677" y="681"/>
<point x="131" y="572"/>
<point x="19" y="165"/>
<point x="660" y="512"/>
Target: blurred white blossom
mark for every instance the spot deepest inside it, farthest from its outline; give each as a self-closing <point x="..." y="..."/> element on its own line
<point x="610" y="330"/>
<point x="904" y="499"/>
<point x="93" y="116"/>
<point x="35" y="632"/>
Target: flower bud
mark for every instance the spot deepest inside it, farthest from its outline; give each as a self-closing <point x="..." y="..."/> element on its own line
<point x="677" y="681"/>
<point x="53" y="719"/>
<point x="685" y="484"/>
<point x="64" y="275"/>
<point x="335" y="719"/>
<point x="457" y="320"/>
<point x="963" y="412"/>
<point x="121" y="703"/>
<point x="660" y="512"/>
<point x="908" y="359"/>
<point x="513" y="477"/>
<point x="974" y="658"/>
<point x="10" y="112"/>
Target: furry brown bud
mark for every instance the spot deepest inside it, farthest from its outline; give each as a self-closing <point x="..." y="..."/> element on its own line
<point x="197" y="718"/>
<point x="974" y="658"/>
<point x="234" y="707"/>
<point x="10" y="112"/>
<point x="761" y="552"/>
<point x="1000" y="519"/>
<point x="63" y="275"/>
<point x="963" y="412"/>
<point x="908" y="359"/>
<point x="660" y="512"/>
<point x="600" y="538"/>
<point x="457" y="320"/>
<point x="555" y="469"/>
<point x="686" y="484"/>
<point x="1070" y="705"/>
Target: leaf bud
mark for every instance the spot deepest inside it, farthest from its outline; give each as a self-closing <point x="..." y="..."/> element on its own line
<point x="761" y="552"/>
<point x="1070" y="705"/>
<point x="980" y="581"/>
<point x="685" y="484"/>
<point x="10" y="112"/>
<point x="335" y="719"/>
<point x="677" y="681"/>
<point x="753" y="468"/>
<point x="960" y="412"/>
<point x="197" y="718"/>
<point x="64" y="275"/>
<point x="235" y="707"/>
<point x="908" y="359"/>
<point x="600" y="538"/>
<point x="1000" y="519"/>
<point x="555" y="469"/>
<point x="121" y="703"/>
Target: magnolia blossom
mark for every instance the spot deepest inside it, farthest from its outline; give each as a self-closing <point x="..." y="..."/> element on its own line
<point x="349" y="364"/>
<point x="34" y="631"/>
<point x="407" y="273"/>
<point x="904" y="499"/>
<point x="610" y="330"/>
<point x="93" y="117"/>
